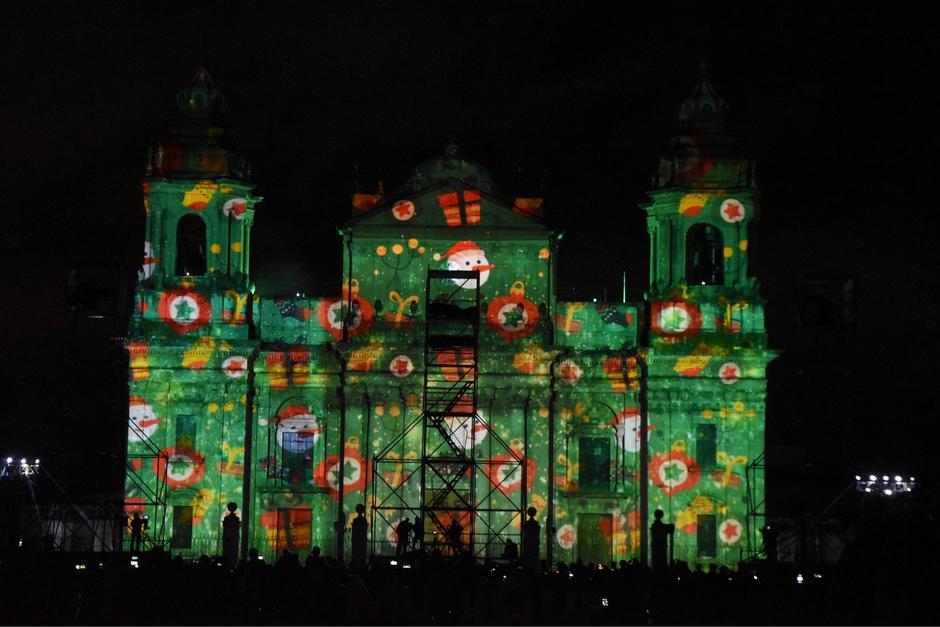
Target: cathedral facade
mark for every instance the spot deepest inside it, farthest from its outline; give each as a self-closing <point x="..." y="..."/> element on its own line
<point x="447" y="383"/>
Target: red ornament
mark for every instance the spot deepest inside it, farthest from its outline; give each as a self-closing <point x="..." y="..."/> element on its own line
<point x="184" y="310"/>
<point x="505" y="472"/>
<point x="513" y="316"/>
<point x="355" y="475"/>
<point x="360" y="316"/>
<point x="674" y="471"/>
<point x="183" y="466"/>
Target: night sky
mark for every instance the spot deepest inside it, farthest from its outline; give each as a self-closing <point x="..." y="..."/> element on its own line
<point x="574" y="104"/>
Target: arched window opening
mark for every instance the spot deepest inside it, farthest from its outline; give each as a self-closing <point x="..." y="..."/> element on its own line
<point x="704" y="259"/>
<point x="190" y="246"/>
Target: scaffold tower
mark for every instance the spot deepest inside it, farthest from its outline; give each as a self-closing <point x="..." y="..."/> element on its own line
<point x="458" y="494"/>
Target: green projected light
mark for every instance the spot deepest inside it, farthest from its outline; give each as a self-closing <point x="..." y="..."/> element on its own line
<point x="299" y="408"/>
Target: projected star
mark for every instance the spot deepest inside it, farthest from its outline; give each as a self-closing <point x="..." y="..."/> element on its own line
<point x="183" y="310"/>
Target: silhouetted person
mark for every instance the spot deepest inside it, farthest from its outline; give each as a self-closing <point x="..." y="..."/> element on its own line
<point x="359" y="537"/>
<point x="770" y="542"/>
<point x="530" y="540"/>
<point x="404" y="536"/>
<point x="137" y="529"/>
<point x="418" y="533"/>
<point x="455" y="536"/>
<point x="659" y="540"/>
<point x="231" y="524"/>
<point x="510" y="551"/>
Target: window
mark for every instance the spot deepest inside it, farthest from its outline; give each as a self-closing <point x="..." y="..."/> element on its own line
<point x="706" y="444"/>
<point x="594" y="464"/>
<point x="704" y="256"/>
<point x="185" y="432"/>
<point x="706" y="536"/>
<point x="190" y="246"/>
<point x="182" y="527"/>
<point x="298" y="457"/>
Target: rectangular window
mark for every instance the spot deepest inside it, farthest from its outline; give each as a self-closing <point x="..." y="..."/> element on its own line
<point x="186" y="432"/>
<point x="594" y="464"/>
<point x="706" y="536"/>
<point x="706" y="444"/>
<point x="182" y="527"/>
<point x="297" y="463"/>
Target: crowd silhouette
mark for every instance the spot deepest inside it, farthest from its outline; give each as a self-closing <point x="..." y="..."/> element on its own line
<point x="71" y="588"/>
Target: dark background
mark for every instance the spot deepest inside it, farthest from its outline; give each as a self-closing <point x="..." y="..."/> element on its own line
<point x="575" y="103"/>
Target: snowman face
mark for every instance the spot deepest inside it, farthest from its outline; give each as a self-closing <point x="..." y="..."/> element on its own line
<point x="144" y="419"/>
<point x="303" y="433"/>
<point x="628" y="433"/>
<point x="470" y="260"/>
<point x="146" y="268"/>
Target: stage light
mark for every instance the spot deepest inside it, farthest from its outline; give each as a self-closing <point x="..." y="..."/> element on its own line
<point x="23" y="461"/>
<point x="604" y="602"/>
<point x="9" y="460"/>
<point x="394" y="562"/>
<point x="857" y="478"/>
<point x="897" y="478"/>
<point x="872" y="478"/>
<point x="885" y="478"/>
<point x="888" y="492"/>
<point x="36" y="462"/>
<point x="799" y="579"/>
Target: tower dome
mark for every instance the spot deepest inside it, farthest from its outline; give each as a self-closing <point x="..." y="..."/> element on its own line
<point x="201" y="98"/>
<point x="198" y="145"/>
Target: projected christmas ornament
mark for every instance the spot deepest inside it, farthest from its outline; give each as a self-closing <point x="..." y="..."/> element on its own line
<point x="403" y="210"/>
<point x="729" y="372"/>
<point x="235" y="208"/>
<point x="732" y="211"/>
<point x="730" y="531"/>
<point x="676" y="319"/>
<point x="401" y="366"/>
<point x="566" y="536"/>
<point x="356" y="471"/>
<point x="513" y="316"/>
<point x="351" y="307"/>
<point x="505" y="472"/>
<point x="183" y="466"/>
<point x="674" y="471"/>
<point x="184" y="311"/>
<point x="235" y="367"/>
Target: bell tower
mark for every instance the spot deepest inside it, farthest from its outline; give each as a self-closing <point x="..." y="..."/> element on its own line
<point x="703" y="202"/>
<point x="707" y="351"/>
<point x="197" y="197"/>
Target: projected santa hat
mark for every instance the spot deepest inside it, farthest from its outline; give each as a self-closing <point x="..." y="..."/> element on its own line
<point x="462" y="246"/>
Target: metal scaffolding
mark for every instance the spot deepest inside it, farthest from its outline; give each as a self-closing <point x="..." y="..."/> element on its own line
<point x="151" y="486"/>
<point x="459" y="495"/>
